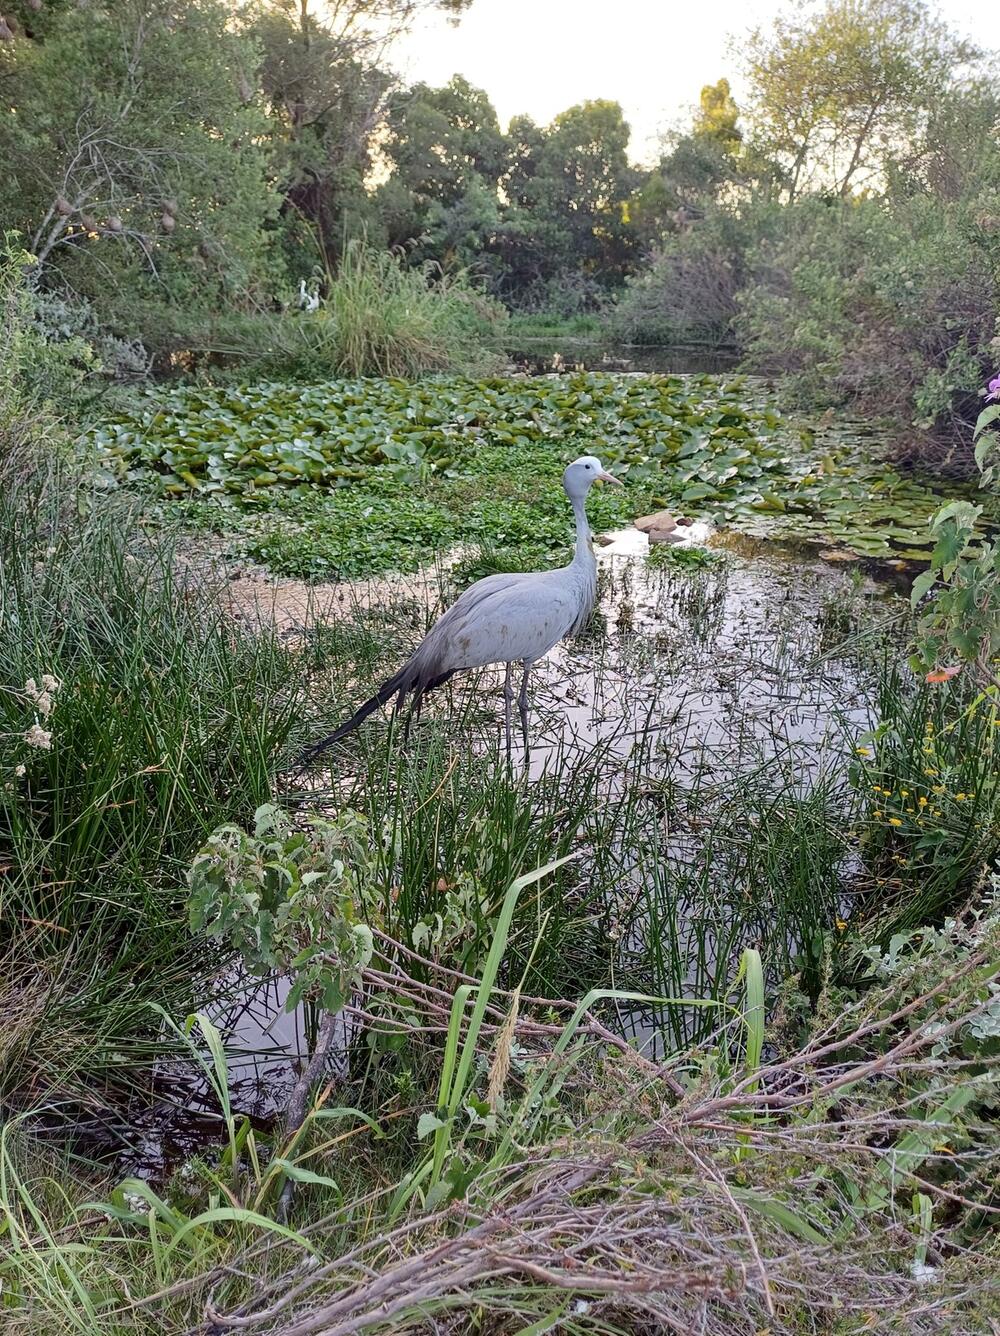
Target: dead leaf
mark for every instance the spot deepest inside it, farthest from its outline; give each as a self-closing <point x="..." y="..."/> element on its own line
<point x="943" y="674"/>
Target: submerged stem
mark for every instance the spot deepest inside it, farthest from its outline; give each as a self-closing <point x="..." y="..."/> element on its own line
<point x="295" y="1115"/>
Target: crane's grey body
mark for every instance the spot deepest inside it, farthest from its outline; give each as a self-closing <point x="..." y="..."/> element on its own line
<point x="507" y="619"/>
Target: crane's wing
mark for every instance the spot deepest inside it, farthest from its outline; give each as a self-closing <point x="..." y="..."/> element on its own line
<point x="519" y="620"/>
<point x="499" y="619"/>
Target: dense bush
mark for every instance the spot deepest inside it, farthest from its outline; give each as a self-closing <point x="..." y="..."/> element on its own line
<point x="688" y="292"/>
<point x="889" y="303"/>
<point x="38" y="363"/>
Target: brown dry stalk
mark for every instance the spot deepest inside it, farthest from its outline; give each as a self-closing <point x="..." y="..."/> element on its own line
<point x="500" y="1065"/>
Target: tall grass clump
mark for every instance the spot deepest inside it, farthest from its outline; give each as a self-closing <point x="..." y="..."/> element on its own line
<point x="382" y="319"/>
<point x="135" y="715"/>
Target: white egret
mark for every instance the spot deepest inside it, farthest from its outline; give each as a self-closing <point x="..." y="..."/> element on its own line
<point x="308" y="301"/>
<point x="501" y="619"/>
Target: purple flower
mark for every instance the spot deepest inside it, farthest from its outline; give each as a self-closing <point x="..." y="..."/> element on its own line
<point x="993" y="389"/>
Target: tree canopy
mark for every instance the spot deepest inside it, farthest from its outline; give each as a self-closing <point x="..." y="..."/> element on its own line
<point x="186" y="153"/>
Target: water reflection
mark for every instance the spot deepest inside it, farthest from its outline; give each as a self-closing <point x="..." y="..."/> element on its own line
<point x="547" y="356"/>
<point x="722" y="663"/>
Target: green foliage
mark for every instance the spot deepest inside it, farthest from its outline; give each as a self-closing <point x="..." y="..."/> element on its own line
<point x="560" y="225"/>
<point x="250" y="439"/>
<point x="834" y="91"/>
<point x="962" y="620"/>
<point x="141" y="175"/>
<point x="354" y="477"/>
<point x="38" y="365"/>
<point x="321" y="93"/>
<point x="597" y="1130"/>
<point x="717" y="116"/>
<point x="289" y="901"/>
<point x="134" y="717"/>
<point x="890" y="306"/>
<point x="927" y="778"/>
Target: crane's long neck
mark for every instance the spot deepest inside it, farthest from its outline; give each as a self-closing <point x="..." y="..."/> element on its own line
<point x="584" y="554"/>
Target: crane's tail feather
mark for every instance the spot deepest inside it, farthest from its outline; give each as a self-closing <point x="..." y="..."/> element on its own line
<point x="381" y="697"/>
<point x="400" y="684"/>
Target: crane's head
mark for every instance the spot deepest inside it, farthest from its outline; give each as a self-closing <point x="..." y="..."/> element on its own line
<point x="583" y="473"/>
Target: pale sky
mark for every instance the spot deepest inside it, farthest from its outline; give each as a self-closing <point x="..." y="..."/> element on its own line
<point x="652" y="56"/>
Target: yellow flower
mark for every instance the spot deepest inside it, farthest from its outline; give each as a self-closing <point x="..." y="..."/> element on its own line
<point x="930" y="772"/>
<point x="904" y="793"/>
<point x="895" y="821"/>
<point x="878" y="813"/>
<point x="841" y="925"/>
<point x="863" y="751"/>
<point x="922" y="801"/>
<point x="938" y="788"/>
<point x="960" y="797"/>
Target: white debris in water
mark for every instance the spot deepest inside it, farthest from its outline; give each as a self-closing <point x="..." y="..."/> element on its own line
<point x="632" y="543"/>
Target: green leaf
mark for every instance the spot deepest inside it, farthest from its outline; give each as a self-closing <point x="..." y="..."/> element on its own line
<point x="546" y="1323"/>
<point x="781" y="1214"/>
<point x="754" y="1010"/>
<point x="924" y="581"/>
<point x="300" y="1175"/>
<point x="428" y="1123"/>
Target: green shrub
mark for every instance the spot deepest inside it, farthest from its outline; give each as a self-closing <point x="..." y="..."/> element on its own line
<point x="891" y="304"/>
<point x="688" y="292"/>
<point x="38" y="364"/>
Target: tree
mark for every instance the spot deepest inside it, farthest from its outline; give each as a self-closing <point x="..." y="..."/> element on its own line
<point x="146" y="162"/>
<point x="696" y="168"/>
<point x="582" y="186"/>
<point x="324" y="95"/>
<point x="835" y="94"/>
<point x="717" y="116"/>
<point x="957" y="155"/>
<point x="442" y="141"/>
<point x="326" y="86"/>
<point x="446" y="155"/>
<point x="523" y="156"/>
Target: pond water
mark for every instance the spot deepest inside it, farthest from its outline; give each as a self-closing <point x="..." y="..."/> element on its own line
<point x="719" y="662"/>
<point x="544" y="356"/>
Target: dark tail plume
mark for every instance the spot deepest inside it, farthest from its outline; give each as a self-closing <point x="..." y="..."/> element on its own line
<point x="402" y="683"/>
<point x="381" y="697"/>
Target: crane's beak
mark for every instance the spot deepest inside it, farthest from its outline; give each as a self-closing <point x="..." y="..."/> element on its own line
<point x="609" y="477"/>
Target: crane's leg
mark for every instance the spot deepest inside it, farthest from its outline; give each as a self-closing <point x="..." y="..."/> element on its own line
<point x="508" y="696"/>
<point x="412" y="713"/>
<point x="522" y="702"/>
